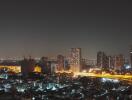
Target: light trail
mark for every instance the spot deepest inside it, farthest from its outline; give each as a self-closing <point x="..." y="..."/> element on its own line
<point x="120" y="77"/>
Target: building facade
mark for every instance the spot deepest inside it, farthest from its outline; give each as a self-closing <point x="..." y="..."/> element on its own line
<point x="75" y="59"/>
<point x="60" y="62"/>
<point x="119" y="62"/>
<point x="102" y="60"/>
<point x="130" y="57"/>
<point x="27" y="65"/>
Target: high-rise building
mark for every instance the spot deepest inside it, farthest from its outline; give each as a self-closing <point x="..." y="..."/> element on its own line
<point x="44" y="64"/>
<point x="66" y="63"/>
<point x="119" y="61"/>
<point x="111" y="62"/>
<point x="99" y="58"/>
<point x="131" y="57"/>
<point x="27" y="65"/>
<point x="60" y="62"/>
<point x="75" y="59"/>
<point x="53" y="67"/>
<point x="102" y="60"/>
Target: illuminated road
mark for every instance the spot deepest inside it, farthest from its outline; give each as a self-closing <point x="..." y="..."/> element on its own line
<point x="104" y="75"/>
<point x="120" y="77"/>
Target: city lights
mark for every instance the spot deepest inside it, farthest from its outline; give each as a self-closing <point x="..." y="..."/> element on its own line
<point x="65" y="50"/>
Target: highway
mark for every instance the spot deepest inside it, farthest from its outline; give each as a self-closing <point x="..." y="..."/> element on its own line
<point x="119" y="77"/>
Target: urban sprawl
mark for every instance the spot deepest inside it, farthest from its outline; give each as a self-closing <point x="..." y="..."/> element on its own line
<point x="63" y="78"/>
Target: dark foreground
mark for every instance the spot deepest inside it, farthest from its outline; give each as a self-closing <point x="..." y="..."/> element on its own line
<point x="63" y="87"/>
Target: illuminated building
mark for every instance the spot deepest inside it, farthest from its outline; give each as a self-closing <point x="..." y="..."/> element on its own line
<point x="60" y="62"/>
<point x="75" y="59"/>
<point x="37" y="69"/>
<point x="12" y="68"/>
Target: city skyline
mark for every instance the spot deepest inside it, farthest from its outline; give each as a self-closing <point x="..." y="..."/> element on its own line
<point x="49" y="28"/>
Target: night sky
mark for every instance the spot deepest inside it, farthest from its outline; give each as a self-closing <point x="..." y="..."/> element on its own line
<point x="47" y="28"/>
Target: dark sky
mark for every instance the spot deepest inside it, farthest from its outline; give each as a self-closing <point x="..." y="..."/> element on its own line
<point x="44" y="27"/>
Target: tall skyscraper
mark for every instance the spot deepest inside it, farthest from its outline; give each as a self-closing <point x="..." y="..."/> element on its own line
<point x="75" y="59"/>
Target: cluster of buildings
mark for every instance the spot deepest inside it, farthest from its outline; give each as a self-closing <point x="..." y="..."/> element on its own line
<point x="116" y="62"/>
<point x="61" y="63"/>
<point x="62" y="86"/>
<point x="74" y="62"/>
<point x="110" y="62"/>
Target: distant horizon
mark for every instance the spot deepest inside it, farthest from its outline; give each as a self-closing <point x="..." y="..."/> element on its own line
<point x="66" y="54"/>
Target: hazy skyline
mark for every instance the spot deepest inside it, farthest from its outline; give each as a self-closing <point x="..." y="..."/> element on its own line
<point x="42" y="28"/>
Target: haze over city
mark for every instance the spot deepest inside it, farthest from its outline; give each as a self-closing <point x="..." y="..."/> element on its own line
<point x="53" y="27"/>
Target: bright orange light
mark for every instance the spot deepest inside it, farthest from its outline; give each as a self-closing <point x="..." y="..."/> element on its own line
<point x="37" y="69"/>
<point x="16" y="69"/>
<point x="104" y="75"/>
